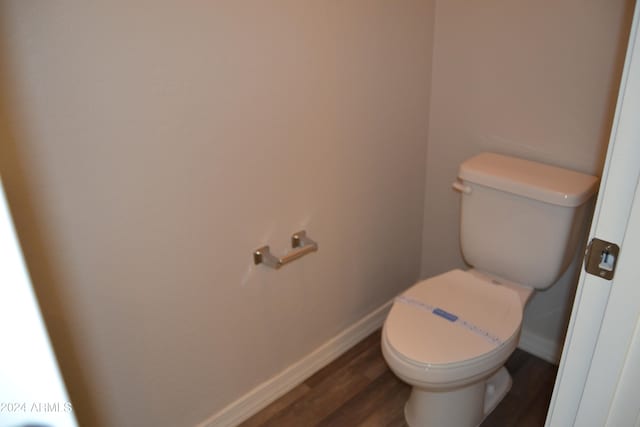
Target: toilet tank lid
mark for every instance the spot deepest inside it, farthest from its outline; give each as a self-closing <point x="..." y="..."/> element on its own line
<point x="534" y="180"/>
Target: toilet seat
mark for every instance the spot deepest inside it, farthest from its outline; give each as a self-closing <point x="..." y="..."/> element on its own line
<point x="453" y="326"/>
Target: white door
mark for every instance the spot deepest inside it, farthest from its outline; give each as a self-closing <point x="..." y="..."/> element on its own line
<point x="610" y="393"/>
<point x="600" y="360"/>
<point x="32" y="392"/>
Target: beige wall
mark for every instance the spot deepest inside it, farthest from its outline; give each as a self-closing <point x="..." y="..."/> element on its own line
<point x="147" y="149"/>
<point x="535" y="79"/>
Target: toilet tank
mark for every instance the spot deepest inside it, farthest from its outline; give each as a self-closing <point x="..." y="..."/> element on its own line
<point x="520" y="220"/>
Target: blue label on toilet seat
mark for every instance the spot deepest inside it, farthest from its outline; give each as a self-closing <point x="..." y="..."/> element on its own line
<point x="493" y="339"/>
<point x="449" y="316"/>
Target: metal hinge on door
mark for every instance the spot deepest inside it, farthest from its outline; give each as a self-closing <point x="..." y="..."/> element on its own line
<point x="601" y="258"/>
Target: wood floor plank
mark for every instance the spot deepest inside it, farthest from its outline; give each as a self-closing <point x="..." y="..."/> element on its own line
<point x="535" y="415"/>
<point x="391" y="412"/>
<point x="329" y="393"/>
<point x="372" y="340"/>
<point x="276" y="407"/>
<point x="361" y="406"/>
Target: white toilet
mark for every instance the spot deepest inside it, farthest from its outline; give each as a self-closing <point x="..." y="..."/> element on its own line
<point x="449" y="336"/>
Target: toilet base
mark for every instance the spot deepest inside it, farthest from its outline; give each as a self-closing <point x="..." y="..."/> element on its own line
<point x="497" y="387"/>
<point x="463" y="407"/>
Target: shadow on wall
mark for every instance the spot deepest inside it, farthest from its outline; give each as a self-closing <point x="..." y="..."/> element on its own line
<point x="616" y="70"/>
<point x="39" y="254"/>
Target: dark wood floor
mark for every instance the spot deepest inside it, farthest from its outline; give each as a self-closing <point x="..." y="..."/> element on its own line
<point x="358" y="389"/>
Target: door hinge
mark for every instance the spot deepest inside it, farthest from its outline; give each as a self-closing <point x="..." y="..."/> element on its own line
<point x="601" y="258"/>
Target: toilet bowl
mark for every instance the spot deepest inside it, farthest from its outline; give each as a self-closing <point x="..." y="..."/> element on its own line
<point x="448" y="336"/>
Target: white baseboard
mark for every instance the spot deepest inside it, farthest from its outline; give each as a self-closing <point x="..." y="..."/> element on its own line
<point x="277" y="386"/>
<point x="544" y="348"/>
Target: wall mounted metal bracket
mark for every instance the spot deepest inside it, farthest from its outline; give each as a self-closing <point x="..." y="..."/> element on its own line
<point x="301" y="244"/>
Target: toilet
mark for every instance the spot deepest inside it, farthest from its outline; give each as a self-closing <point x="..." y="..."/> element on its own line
<point x="448" y="336"/>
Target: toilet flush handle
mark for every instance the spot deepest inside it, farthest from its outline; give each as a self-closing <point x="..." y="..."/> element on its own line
<point x="463" y="188"/>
